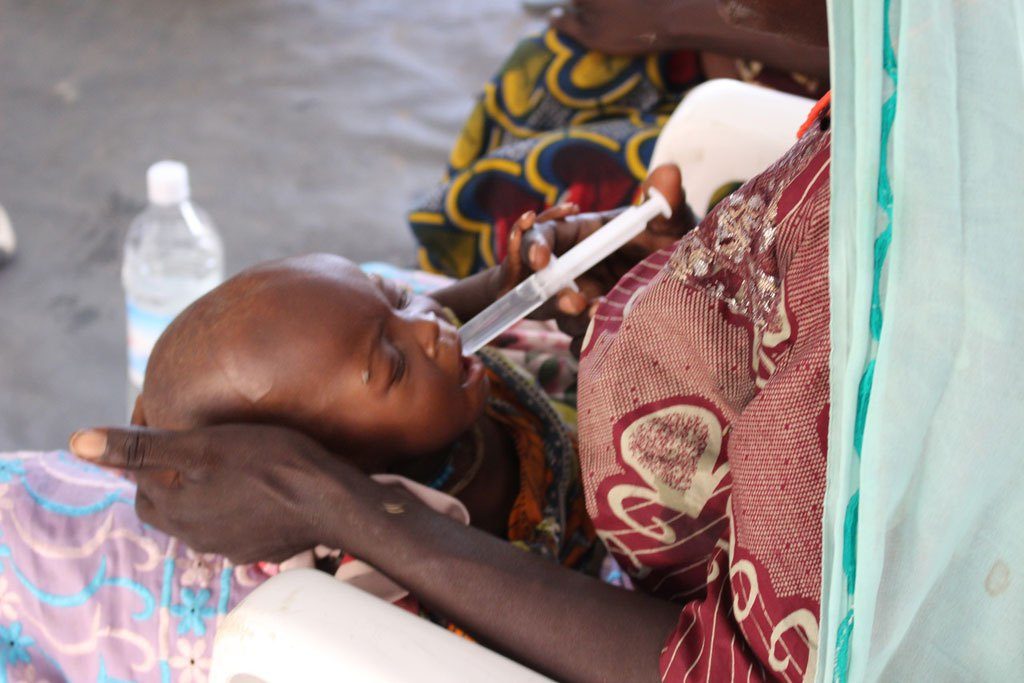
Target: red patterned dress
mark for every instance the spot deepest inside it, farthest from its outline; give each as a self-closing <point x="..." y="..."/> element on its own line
<point x="703" y="422"/>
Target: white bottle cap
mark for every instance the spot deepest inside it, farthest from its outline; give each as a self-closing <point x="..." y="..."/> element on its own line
<point x="167" y="183"/>
<point x="8" y="242"/>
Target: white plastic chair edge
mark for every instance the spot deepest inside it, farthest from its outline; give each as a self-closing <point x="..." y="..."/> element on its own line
<point x="304" y="625"/>
<point x="725" y="131"/>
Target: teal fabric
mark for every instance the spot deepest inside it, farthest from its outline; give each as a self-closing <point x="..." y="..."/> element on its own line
<point x="924" y="497"/>
<point x="856" y="287"/>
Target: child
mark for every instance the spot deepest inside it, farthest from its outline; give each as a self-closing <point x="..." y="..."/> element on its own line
<point x="378" y="376"/>
<point x="90" y="592"/>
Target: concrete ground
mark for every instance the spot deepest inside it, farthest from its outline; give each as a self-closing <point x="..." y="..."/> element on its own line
<point x="308" y="125"/>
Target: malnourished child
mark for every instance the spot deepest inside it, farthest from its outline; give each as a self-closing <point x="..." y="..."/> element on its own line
<point x="377" y="375"/>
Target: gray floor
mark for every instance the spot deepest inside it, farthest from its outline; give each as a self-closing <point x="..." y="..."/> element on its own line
<point x="308" y="126"/>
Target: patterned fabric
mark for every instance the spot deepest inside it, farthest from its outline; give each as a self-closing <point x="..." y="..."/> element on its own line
<point x="541" y="351"/>
<point x="548" y="517"/>
<point x="557" y="123"/>
<point x="703" y="423"/>
<point x="90" y="593"/>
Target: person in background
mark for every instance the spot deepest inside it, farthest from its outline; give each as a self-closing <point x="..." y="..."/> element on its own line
<point x="573" y="114"/>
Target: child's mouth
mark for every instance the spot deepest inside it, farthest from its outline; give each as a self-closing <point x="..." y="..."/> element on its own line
<point x="472" y="370"/>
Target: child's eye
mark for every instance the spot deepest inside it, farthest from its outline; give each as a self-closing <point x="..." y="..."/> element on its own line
<point x="400" y="297"/>
<point x="398" y="368"/>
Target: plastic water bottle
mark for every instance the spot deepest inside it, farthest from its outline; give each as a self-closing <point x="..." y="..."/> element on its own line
<point x="172" y="256"/>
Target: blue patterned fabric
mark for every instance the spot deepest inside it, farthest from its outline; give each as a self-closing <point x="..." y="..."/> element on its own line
<point x="90" y="593"/>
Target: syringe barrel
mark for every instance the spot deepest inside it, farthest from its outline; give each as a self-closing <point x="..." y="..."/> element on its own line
<point x="502" y="314"/>
<point x="544" y="284"/>
<point x="605" y="241"/>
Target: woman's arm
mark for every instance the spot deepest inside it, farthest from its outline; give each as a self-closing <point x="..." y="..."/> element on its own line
<point x="629" y="27"/>
<point x="258" y="492"/>
<point x="560" y="622"/>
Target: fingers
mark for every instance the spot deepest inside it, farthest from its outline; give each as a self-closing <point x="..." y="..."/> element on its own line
<point x="559" y="211"/>
<point x="571" y="302"/>
<point x="539" y="252"/>
<point x="133" y="448"/>
<point x="515" y="239"/>
<point x="538" y="249"/>
<point x="566" y="303"/>
<point x="512" y="267"/>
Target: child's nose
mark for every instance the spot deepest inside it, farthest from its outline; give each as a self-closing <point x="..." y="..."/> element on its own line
<point x="427" y="331"/>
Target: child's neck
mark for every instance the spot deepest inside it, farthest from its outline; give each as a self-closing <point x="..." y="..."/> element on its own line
<point x="490" y="492"/>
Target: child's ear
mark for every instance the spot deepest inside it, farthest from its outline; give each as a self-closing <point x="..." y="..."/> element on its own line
<point x="138" y="417"/>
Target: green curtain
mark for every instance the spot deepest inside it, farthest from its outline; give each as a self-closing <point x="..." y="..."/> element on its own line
<point x="923" y="563"/>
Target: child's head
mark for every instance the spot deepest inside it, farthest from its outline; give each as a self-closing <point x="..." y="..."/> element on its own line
<point x="313" y="343"/>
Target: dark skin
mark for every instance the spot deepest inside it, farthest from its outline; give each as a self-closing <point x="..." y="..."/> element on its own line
<point x="261" y="492"/>
<point x="627" y="27"/>
<point x="357" y="363"/>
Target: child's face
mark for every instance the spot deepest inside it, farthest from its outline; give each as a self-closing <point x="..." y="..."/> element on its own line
<point x="315" y="344"/>
<point x="399" y="376"/>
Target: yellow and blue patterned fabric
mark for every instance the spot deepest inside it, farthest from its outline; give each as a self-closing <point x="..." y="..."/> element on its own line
<point x="557" y="123"/>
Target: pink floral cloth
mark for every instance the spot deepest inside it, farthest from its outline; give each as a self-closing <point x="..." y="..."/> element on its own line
<point x="90" y="593"/>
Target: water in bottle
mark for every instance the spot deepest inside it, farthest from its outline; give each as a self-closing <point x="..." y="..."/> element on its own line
<point x="172" y="256"/>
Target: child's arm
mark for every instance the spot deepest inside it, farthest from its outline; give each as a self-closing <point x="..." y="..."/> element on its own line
<point x="558" y="228"/>
<point x="467" y="297"/>
<point x="534" y="238"/>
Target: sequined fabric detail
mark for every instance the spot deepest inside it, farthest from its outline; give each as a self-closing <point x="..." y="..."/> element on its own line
<point x="733" y="259"/>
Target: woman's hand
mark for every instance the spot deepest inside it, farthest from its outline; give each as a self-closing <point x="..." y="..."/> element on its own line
<point x="626" y="27"/>
<point x="557" y="230"/>
<point x="529" y="251"/>
<point x="534" y="238"/>
<point x="250" y="492"/>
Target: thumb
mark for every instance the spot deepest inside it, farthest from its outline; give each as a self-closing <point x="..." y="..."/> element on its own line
<point x="668" y="180"/>
<point x="133" y="448"/>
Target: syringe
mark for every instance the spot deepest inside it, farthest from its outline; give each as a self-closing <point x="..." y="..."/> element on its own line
<point x="529" y="294"/>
